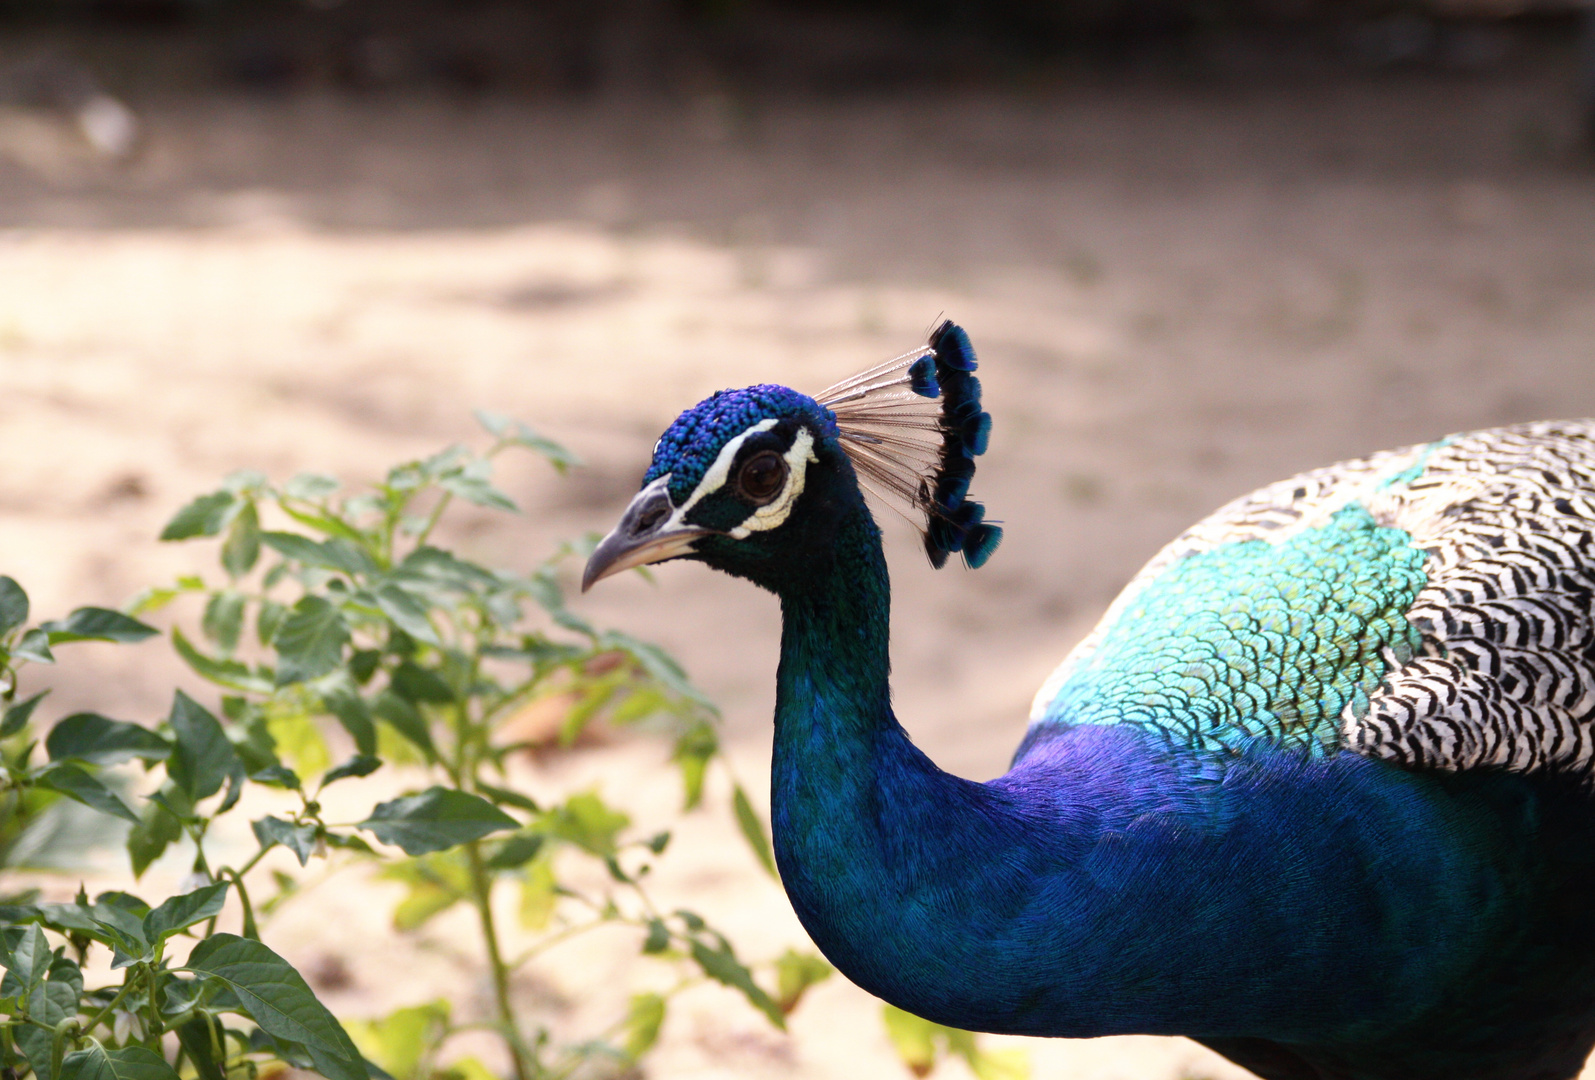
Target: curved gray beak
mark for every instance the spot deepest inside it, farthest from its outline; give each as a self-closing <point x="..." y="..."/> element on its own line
<point x="646" y="534"/>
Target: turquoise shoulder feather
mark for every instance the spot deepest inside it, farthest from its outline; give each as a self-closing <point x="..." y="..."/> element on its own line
<point x="1431" y="606"/>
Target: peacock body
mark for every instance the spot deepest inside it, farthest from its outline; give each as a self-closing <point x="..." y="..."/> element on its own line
<point x="1315" y="792"/>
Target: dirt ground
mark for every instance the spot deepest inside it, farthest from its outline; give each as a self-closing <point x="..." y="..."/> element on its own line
<point x="1178" y="293"/>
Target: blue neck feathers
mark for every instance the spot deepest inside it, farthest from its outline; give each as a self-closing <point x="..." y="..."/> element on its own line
<point x="1109" y="884"/>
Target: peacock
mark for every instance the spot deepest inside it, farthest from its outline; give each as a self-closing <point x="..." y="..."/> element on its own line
<point x="1316" y="792"/>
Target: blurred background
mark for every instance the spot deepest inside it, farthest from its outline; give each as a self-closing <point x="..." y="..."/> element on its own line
<point x="1199" y="245"/>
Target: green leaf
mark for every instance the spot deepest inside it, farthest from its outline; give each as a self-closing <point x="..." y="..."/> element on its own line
<point x="310" y="641"/>
<point x="300" y="839"/>
<point x="278" y="999"/>
<point x="520" y="434"/>
<point x="62" y="992"/>
<point x="998" y="1064"/>
<point x="204" y="1040"/>
<point x="298" y="739"/>
<point x="125" y="927"/>
<point x="588" y="822"/>
<point x="644" y="1018"/>
<point x="914" y="1038"/>
<point x="283" y="1049"/>
<point x="179" y="995"/>
<point x="205" y="516"/>
<point x="639" y="705"/>
<point x="13" y="605"/>
<point x="307" y="486"/>
<point x="326" y="523"/>
<point x="74" y="783"/>
<point x="516" y="851"/>
<point x="406" y="720"/>
<point x="45" y="986"/>
<point x="439" y="568"/>
<point x="753" y="832"/>
<point x="301" y="549"/>
<point x="97" y="624"/>
<point x="35" y="646"/>
<point x="539" y="893"/>
<point x="269" y="621"/>
<point x="363" y="664"/>
<point x="471" y="483"/>
<point x="148" y="840"/>
<point x="795" y="972"/>
<point x="124" y="901"/>
<point x="232" y="674"/>
<point x="417" y="684"/>
<point x="336" y="554"/>
<point x="694" y="748"/>
<point x="359" y="765"/>
<point x="658" y="939"/>
<point x="151" y="599"/>
<point x="722" y="965"/>
<point x="18" y="714"/>
<point x="277" y="776"/>
<point x="920" y="1042"/>
<point x="348" y="843"/>
<point x="95" y="1062"/>
<point x="27" y="957"/>
<point x="435" y="883"/>
<point x="399" y="1041"/>
<point x="101" y="741"/>
<point x="349" y="707"/>
<point x="224" y="619"/>
<point x="506" y="797"/>
<point x="660" y="665"/>
<point x="37" y="1045"/>
<point x="76" y="916"/>
<point x="250" y="482"/>
<point x="407" y="613"/>
<point x="204" y="757"/>
<point x="434" y="820"/>
<point x="241" y="549"/>
<point x="180" y="912"/>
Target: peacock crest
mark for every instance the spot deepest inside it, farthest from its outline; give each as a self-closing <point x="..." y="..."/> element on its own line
<point x="913" y="427"/>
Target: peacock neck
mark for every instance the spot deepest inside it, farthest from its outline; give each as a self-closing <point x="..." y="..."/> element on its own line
<point x="1105" y="885"/>
<point x="846" y="778"/>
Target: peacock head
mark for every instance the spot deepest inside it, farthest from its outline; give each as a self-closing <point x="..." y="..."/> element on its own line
<point x="757" y="481"/>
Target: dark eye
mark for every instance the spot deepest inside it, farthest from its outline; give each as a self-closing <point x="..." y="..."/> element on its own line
<point x="762" y="477"/>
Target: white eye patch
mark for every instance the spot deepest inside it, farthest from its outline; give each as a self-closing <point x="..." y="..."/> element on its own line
<point x="718" y="473"/>
<point x="775" y="512"/>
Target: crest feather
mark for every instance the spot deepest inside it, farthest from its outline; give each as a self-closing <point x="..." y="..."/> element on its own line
<point x="913" y="427"/>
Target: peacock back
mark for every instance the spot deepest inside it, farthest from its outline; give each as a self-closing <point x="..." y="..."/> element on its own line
<point x="1431" y="606"/>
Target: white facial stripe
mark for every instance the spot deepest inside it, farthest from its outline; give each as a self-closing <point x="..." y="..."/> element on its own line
<point x="772" y="514"/>
<point x="720" y="471"/>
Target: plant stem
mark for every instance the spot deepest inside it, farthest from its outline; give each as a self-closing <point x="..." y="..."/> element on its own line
<point x="99" y="1018"/>
<point x="250" y="929"/>
<point x="246" y="868"/>
<point x="482" y="893"/>
<point x="558" y="938"/>
<point x="433" y="518"/>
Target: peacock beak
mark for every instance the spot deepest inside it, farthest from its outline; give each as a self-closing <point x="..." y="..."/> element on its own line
<point x="648" y="533"/>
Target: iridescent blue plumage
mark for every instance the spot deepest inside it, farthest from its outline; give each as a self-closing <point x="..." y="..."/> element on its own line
<point x="688" y="447"/>
<point x="1315" y="793"/>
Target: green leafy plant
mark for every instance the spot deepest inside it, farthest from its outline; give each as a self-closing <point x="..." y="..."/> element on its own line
<point x="923" y="1045"/>
<point x="337" y="621"/>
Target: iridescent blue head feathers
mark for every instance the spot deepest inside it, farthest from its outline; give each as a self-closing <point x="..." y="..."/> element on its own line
<point x="688" y="447"/>
<point x="913" y="427"/>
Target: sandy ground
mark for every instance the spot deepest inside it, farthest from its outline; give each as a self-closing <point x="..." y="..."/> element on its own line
<point x="1178" y="293"/>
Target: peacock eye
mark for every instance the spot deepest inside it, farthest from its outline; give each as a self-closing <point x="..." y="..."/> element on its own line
<point x="762" y="478"/>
